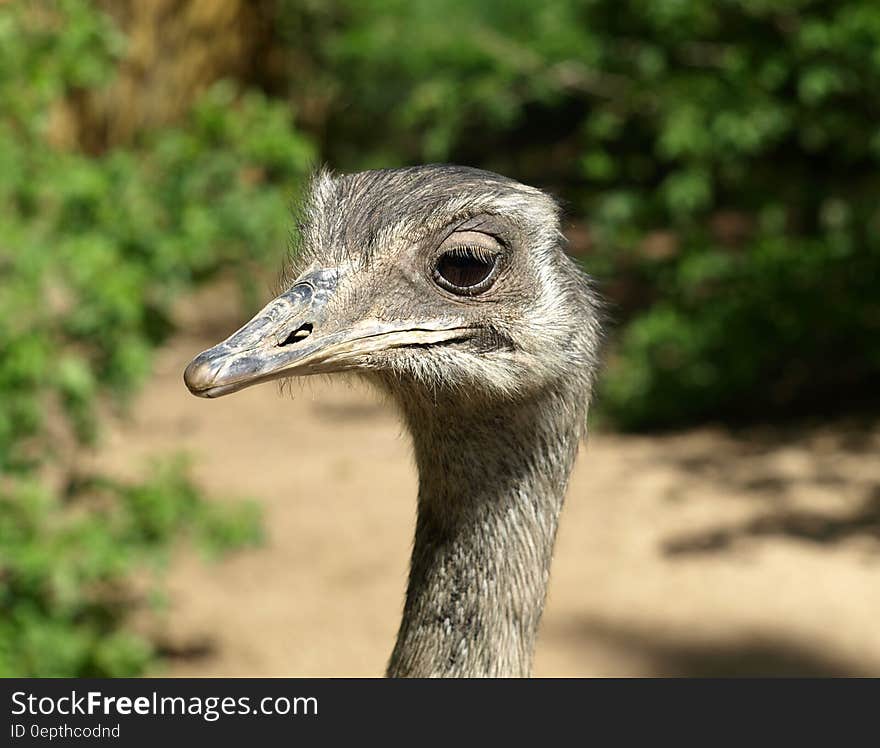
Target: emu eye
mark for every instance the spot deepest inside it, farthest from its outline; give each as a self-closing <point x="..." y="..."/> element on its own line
<point x="465" y="270"/>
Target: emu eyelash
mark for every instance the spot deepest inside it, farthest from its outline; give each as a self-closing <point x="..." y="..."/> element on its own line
<point x="473" y="252"/>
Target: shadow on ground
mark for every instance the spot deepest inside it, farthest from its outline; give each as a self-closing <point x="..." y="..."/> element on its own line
<point x="816" y="527"/>
<point x="680" y="655"/>
<point x="776" y="468"/>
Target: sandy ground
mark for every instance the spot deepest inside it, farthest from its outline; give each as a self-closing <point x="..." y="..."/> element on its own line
<point x="700" y="553"/>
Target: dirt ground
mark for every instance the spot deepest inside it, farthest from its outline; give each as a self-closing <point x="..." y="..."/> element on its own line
<point x="699" y="553"/>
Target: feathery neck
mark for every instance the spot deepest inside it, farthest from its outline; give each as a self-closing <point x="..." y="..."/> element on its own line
<point x="491" y="487"/>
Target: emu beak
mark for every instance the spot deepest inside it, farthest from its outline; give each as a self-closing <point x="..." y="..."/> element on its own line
<point x="293" y="335"/>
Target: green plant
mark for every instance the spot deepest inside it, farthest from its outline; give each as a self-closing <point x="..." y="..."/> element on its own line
<point x="68" y="561"/>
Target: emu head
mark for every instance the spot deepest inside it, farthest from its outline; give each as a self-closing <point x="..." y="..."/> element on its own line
<point x="433" y="279"/>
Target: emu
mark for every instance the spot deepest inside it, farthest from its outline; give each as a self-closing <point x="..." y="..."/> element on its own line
<point x="448" y="288"/>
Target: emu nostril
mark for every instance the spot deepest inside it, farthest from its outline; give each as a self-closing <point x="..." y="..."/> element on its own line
<point x="301" y="333"/>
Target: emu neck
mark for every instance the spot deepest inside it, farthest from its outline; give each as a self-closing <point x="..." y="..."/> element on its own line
<point x="491" y="487"/>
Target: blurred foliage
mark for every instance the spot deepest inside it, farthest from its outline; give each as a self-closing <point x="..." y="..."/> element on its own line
<point x="724" y="156"/>
<point x="68" y="563"/>
<point x="93" y="252"/>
